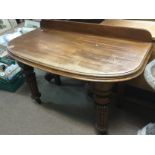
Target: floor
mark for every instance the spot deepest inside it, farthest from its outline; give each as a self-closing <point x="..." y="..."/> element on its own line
<point x="65" y="110"/>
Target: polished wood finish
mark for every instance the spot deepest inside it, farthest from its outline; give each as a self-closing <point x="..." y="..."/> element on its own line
<point x="148" y="25"/>
<point x="97" y="30"/>
<point x="95" y="53"/>
<point x="84" y="55"/>
<point x="30" y="76"/>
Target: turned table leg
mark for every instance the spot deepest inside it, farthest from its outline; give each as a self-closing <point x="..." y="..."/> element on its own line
<point x="102" y="93"/>
<point x="30" y="76"/>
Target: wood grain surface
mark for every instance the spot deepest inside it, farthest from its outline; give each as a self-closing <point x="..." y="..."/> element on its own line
<point x="147" y="25"/>
<point x="89" y="52"/>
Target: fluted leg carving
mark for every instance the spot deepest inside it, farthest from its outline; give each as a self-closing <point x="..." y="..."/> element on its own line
<point x="102" y="93"/>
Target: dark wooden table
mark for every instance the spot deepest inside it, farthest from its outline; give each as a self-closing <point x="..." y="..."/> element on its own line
<point x="101" y="55"/>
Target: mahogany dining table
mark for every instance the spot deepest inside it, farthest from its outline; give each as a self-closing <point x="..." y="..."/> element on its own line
<point x="99" y="54"/>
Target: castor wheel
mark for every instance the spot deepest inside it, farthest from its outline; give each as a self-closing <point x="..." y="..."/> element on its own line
<point x="101" y="131"/>
<point x="38" y="100"/>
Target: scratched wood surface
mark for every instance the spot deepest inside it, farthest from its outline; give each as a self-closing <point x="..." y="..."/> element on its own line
<point x="84" y="51"/>
<point x="147" y="25"/>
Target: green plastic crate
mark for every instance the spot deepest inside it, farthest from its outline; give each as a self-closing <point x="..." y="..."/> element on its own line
<point x="12" y="85"/>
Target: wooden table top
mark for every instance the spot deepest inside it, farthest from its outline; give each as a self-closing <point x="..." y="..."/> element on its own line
<point x="148" y="25"/>
<point x="84" y="51"/>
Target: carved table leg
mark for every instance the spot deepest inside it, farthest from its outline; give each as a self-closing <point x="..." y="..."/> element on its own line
<point x="102" y="93"/>
<point x="49" y="77"/>
<point x="29" y="73"/>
